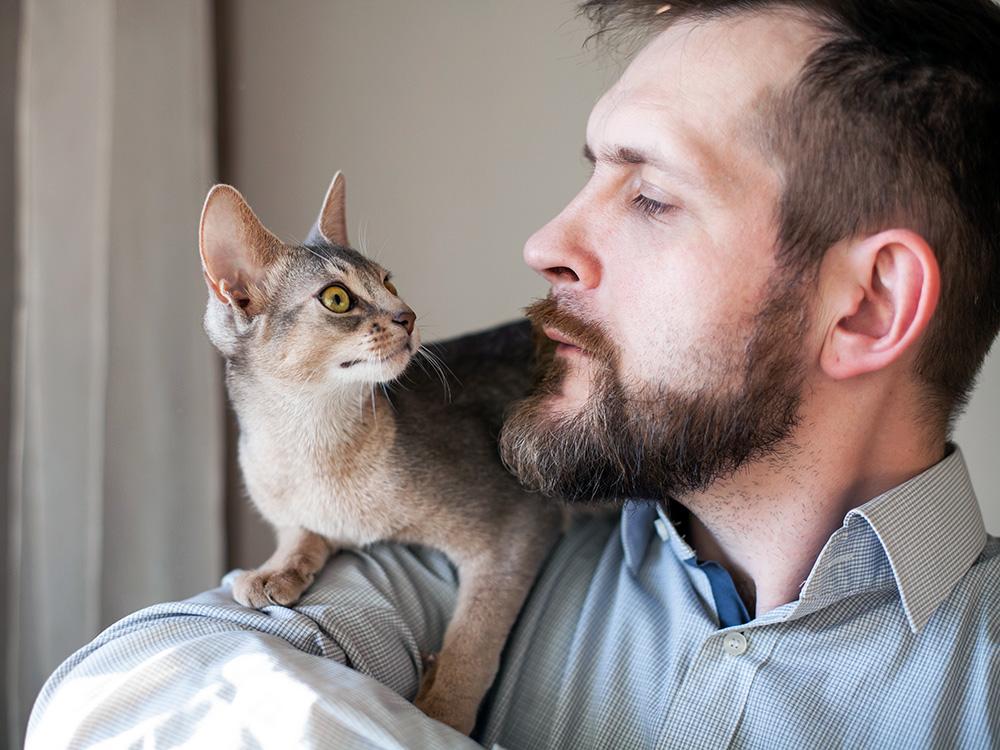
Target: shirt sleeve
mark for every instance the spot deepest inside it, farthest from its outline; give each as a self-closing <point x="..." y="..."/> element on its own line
<point x="336" y="670"/>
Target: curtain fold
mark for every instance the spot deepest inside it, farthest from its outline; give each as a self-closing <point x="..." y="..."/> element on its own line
<point x="116" y="491"/>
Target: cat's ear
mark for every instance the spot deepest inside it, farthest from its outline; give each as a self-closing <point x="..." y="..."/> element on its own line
<point x="235" y="247"/>
<point x="331" y="224"/>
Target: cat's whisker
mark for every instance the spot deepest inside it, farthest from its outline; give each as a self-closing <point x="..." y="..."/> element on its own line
<point x="385" y="391"/>
<point x="439" y="368"/>
<point x="321" y="257"/>
<point x="420" y="363"/>
<point x="431" y="373"/>
<point x="398" y="381"/>
<point x="435" y="357"/>
<point x="424" y="363"/>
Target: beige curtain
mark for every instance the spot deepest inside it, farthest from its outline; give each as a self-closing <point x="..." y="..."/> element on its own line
<point x="116" y="491"/>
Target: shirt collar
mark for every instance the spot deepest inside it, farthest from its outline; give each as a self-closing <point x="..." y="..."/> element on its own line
<point x="636" y="531"/>
<point x="929" y="529"/>
<point x="921" y="536"/>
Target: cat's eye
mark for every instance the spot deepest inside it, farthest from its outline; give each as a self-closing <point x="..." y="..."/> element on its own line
<point x="336" y="299"/>
<point x="391" y="287"/>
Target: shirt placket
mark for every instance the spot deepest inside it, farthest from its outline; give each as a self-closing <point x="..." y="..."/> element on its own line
<point x="709" y="702"/>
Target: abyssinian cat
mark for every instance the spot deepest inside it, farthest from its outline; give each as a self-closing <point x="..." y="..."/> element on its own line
<point x="332" y="460"/>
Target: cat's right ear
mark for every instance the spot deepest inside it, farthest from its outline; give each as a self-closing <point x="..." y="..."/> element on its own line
<point x="331" y="224"/>
<point x="235" y="248"/>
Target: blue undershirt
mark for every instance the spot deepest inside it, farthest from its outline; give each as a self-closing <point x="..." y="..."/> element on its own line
<point x="728" y="604"/>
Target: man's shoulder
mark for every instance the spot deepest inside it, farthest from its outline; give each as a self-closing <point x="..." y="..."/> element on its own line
<point x="973" y="606"/>
<point x="982" y="581"/>
<point x="984" y="574"/>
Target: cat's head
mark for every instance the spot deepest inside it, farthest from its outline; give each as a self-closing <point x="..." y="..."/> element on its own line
<point x="315" y="313"/>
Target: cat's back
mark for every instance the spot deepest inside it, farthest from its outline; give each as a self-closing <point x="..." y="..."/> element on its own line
<point x="479" y="376"/>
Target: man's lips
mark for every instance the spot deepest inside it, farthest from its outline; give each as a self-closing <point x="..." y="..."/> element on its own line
<point x="566" y="344"/>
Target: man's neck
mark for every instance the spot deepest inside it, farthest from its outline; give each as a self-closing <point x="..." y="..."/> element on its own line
<point x="767" y="524"/>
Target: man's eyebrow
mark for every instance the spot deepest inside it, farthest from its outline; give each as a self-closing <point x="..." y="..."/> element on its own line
<point x="627" y="155"/>
<point x="618" y="155"/>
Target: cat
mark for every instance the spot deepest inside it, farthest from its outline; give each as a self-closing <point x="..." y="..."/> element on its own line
<point x="333" y="459"/>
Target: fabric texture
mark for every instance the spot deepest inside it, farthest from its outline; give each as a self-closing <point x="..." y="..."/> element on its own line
<point x="894" y="641"/>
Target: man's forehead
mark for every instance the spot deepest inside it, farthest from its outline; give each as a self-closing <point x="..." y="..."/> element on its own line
<point x="728" y="61"/>
<point x="695" y="85"/>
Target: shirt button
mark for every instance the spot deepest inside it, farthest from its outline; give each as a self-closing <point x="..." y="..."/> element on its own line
<point x="735" y="644"/>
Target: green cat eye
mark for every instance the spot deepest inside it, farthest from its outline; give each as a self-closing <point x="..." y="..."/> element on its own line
<point x="391" y="287"/>
<point x="336" y="298"/>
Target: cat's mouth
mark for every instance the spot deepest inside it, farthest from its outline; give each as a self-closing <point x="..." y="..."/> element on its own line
<point x="406" y="350"/>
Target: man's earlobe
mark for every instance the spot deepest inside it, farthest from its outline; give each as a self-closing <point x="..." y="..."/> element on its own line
<point x="882" y="292"/>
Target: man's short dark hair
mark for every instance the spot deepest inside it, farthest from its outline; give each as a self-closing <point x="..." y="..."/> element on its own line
<point x="894" y="121"/>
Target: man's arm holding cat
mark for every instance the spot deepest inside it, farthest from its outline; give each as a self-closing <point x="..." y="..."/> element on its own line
<point x="335" y="670"/>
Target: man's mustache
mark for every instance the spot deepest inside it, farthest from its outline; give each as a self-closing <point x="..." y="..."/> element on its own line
<point x="551" y="313"/>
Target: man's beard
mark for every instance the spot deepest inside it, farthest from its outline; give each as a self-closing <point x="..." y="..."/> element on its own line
<point x="647" y="441"/>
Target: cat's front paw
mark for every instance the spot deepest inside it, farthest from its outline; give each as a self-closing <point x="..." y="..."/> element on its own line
<point x="260" y="588"/>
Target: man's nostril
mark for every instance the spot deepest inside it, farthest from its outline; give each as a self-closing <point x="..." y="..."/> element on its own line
<point x="561" y="274"/>
<point x="565" y="271"/>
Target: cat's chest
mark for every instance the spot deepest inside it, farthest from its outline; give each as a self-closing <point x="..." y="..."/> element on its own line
<point x="342" y="490"/>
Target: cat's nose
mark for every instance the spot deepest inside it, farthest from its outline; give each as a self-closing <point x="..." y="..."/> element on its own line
<point x="405" y="319"/>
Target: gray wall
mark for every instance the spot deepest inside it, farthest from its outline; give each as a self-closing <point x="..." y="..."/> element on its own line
<point x="978" y="432"/>
<point x="459" y="126"/>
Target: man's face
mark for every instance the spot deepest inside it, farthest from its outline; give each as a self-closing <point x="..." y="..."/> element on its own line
<point x="662" y="270"/>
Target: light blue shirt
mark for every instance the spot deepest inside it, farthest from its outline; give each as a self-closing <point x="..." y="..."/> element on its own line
<point x="893" y="642"/>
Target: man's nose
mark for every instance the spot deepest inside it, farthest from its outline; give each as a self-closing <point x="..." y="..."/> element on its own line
<point x="561" y="252"/>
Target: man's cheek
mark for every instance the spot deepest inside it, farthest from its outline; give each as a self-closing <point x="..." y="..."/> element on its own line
<point x="647" y="349"/>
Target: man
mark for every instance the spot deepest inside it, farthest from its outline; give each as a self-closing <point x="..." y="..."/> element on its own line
<point x="769" y="302"/>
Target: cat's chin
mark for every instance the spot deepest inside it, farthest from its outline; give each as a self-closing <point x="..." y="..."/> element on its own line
<point x="383" y="370"/>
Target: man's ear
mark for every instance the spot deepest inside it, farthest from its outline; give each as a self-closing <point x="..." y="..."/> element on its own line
<point x="881" y="293"/>
<point x="331" y="224"/>
<point x="235" y="249"/>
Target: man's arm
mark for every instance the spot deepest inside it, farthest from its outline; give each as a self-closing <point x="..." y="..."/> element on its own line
<point x="335" y="670"/>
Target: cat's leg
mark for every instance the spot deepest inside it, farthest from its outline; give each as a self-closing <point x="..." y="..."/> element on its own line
<point x="492" y="588"/>
<point x="287" y="573"/>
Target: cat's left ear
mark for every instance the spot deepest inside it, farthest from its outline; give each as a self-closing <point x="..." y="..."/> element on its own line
<point x="235" y="247"/>
<point x="331" y="224"/>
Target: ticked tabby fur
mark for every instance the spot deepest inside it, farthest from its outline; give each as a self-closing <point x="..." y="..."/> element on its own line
<point x="333" y="461"/>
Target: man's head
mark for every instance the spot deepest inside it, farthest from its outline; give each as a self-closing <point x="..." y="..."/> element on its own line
<point x="789" y="199"/>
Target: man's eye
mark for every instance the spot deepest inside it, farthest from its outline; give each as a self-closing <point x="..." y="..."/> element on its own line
<point x="648" y="206"/>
